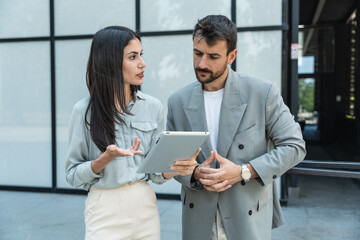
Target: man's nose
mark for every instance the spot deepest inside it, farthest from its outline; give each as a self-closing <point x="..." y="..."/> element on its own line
<point x="203" y="62"/>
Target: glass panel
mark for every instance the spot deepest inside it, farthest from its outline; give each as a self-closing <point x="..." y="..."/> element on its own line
<point x="169" y="67"/>
<point x="306" y="64"/>
<point x="73" y="17"/>
<point x="25" y="114"/>
<point x="164" y="15"/>
<point x="71" y="61"/>
<point x="259" y="54"/>
<point x="307" y="116"/>
<point x="16" y="14"/>
<point x="250" y="13"/>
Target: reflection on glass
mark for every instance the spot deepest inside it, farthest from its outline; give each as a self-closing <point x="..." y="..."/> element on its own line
<point x="71" y="62"/>
<point x="22" y="18"/>
<point x="250" y="13"/>
<point x="73" y="17"/>
<point x="162" y="15"/>
<point x="169" y="67"/>
<point x="259" y="54"/>
<point x="25" y="117"/>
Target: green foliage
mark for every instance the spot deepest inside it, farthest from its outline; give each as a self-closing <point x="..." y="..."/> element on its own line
<point x="306" y="94"/>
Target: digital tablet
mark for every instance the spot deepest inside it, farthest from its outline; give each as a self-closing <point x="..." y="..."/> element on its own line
<point x="169" y="147"/>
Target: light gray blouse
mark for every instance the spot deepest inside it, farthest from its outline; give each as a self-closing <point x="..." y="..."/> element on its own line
<point x="146" y="123"/>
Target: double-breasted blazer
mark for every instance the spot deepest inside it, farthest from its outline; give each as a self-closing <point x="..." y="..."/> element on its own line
<point x="253" y="117"/>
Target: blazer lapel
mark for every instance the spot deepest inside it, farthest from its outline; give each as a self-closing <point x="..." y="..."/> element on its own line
<point x="232" y="111"/>
<point x="195" y="113"/>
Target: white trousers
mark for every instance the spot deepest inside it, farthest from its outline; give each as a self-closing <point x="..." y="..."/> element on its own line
<point x="127" y="212"/>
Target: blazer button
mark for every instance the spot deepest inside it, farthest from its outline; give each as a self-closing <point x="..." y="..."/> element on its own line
<point x="274" y="176"/>
<point x="191" y="205"/>
<point x="241" y="146"/>
<point x="242" y="182"/>
<point x="250" y="212"/>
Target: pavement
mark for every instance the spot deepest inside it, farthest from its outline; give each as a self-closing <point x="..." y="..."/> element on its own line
<point x="322" y="208"/>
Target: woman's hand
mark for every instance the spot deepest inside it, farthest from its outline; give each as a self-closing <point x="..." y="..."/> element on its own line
<point x="183" y="167"/>
<point x="113" y="152"/>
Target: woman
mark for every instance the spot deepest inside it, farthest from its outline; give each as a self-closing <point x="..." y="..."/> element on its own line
<point x="110" y="132"/>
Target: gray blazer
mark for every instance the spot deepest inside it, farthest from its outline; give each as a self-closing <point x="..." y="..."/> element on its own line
<point x="253" y="117"/>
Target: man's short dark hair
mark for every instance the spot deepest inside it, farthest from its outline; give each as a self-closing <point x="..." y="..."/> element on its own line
<point x="213" y="28"/>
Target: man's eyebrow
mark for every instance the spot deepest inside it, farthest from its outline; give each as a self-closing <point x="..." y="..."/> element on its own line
<point x="214" y="54"/>
<point x="211" y="54"/>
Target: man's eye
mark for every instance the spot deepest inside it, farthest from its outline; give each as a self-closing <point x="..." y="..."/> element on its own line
<point x="212" y="57"/>
<point x="198" y="54"/>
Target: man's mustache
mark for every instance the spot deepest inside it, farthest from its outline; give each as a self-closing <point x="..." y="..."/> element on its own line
<point x="203" y="70"/>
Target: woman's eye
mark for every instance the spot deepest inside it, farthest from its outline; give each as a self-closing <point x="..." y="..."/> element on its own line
<point x="132" y="57"/>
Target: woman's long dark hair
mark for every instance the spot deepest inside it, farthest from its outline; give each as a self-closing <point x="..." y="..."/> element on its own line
<point x="105" y="82"/>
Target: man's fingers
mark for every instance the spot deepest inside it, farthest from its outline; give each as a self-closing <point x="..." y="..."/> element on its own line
<point x="205" y="170"/>
<point x="219" y="187"/>
<point x="208" y="182"/>
<point x="185" y="163"/>
<point x="196" y="154"/>
<point x="210" y="159"/>
<point x="218" y="158"/>
<point x="182" y="168"/>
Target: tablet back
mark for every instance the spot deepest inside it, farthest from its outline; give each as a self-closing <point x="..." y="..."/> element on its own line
<point x="171" y="146"/>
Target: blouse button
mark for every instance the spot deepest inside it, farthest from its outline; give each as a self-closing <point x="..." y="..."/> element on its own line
<point x="241" y="146"/>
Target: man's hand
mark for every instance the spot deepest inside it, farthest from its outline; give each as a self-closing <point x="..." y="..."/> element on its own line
<point x="183" y="167"/>
<point x="211" y="178"/>
<point x="222" y="178"/>
<point x="232" y="170"/>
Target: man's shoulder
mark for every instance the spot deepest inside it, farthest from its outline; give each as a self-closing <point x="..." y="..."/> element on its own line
<point x="252" y="81"/>
<point x="184" y="92"/>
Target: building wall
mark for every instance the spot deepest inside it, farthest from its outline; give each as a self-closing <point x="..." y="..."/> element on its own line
<point x="44" y="46"/>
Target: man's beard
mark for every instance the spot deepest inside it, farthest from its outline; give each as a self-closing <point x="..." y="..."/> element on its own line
<point x="213" y="76"/>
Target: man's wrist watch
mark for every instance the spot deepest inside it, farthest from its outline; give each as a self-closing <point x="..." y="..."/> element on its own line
<point x="245" y="173"/>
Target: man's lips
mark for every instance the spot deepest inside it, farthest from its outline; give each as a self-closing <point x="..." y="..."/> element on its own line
<point x="203" y="71"/>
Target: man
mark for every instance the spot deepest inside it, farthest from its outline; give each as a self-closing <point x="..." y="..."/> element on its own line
<point x="231" y="193"/>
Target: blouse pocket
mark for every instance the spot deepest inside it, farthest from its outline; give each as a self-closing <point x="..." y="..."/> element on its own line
<point x="144" y="132"/>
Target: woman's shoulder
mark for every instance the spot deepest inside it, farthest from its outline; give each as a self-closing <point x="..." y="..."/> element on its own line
<point x="81" y="105"/>
<point x="148" y="99"/>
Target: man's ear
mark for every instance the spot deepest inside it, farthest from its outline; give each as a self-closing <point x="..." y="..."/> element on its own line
<point x="232" y="56"/>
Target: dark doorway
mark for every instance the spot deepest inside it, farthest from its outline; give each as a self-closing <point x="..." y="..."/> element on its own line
<point x="327" y="74"/>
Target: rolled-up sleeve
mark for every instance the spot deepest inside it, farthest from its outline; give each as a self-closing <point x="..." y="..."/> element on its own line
<point x="78" y="165"/>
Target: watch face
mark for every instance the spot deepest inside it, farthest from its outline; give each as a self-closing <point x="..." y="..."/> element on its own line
<point x="246" y="174"/>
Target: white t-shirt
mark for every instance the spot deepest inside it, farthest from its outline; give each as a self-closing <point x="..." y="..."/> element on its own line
<point x="212" y="101"/>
